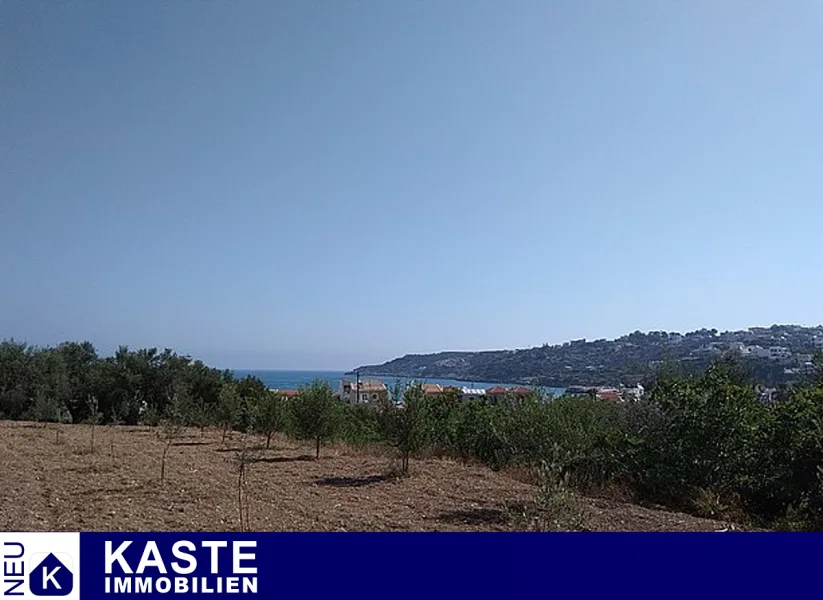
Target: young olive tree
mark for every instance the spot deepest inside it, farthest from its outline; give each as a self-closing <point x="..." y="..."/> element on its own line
<point x="268" y="415"/>
<point x="95" y="416"/>
<point x="404" y="425"/>
<point x="244" y="458"/>
<point x="200" y="414"/>
<point x="316" y="414"/>
<point x="47" y="408"/>
<point x="173" y="426"/>
<point x="229" y="408"/>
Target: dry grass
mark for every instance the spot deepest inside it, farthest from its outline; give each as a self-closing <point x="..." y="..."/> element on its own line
<point x="52" y="483"/>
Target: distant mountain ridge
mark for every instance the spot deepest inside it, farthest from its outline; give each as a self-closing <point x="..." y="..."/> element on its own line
<point x="776" y="354"/>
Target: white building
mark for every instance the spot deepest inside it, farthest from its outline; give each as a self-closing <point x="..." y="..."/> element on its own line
<point x="779" y="353"/>
<point x="472" y="393"/>
<point x="768" y="395"/>
<point x="633" y="393"/>
<point x="756" y="352"/>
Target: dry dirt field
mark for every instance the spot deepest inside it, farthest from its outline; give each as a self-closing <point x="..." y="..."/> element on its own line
<point x="50" y="480"/>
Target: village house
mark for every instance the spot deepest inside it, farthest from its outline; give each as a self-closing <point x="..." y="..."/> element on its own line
<point x="363" y="392"/>
<point x="779" y="353"/>
<point x="498" y="393"/>
<point x="766" y="395"/>
<point x="610" y="394"/>
<point x="285" y="393"/>
<point x="432" y="389"/>
<point x="633" y="394"/>
<point x="756" y="352"/>
<point x="520" y="392"/>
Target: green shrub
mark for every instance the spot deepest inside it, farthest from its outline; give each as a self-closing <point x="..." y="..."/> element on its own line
<point x="358" y="425"/>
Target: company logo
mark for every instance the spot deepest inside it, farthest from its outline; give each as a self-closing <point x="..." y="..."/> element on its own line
<point x="50" y="574"/>
<point x="39" y="565"/>
<point x="181" y="567"/>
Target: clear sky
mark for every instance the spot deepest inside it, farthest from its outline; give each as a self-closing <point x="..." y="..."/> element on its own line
<point x="322" y="184"/>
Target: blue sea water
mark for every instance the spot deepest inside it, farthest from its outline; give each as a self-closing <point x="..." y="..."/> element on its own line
<point x="291" y="380"/>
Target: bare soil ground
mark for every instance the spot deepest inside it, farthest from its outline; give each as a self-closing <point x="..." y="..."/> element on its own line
<point x="50" y="480"/>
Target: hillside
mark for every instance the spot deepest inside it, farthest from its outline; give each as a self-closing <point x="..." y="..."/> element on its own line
<point x="776" y="354"/>
<point x="50" y="480"/>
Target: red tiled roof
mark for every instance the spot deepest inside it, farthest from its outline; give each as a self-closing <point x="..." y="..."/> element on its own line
<point x="496" y="390"/>
<point x="521" y="390"/>
<point x="608" y="395"/>
<point x="432" y="388"/>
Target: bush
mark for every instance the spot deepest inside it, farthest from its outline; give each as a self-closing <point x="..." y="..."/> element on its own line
<point x="480" y="430"/>
<point x="709" y="440"/>
<point x="149" y="417"/>
<point x="48" y="409"/>
<point x="557" y="507"/>
<point x="359" y="425"/>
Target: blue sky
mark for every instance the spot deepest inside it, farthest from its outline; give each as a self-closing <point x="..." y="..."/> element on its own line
<point x="323" y="184"/>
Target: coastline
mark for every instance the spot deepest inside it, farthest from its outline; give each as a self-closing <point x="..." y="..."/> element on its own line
<point x="283" y="379"/>
<point x="418" y="378"/>
<point x="461" y="380"/>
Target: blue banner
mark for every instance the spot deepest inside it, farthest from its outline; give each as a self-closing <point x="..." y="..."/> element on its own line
<point x="390" y="566"/>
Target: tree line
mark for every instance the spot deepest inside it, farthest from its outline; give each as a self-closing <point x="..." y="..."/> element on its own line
<point x="71" y="383"/>
<point x="703" y="443"/>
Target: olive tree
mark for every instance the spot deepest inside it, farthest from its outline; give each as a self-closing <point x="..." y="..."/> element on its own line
<point x="229" y="407"/>
<point x="268" y="415"/>
<point x="316" y="414"/>
<point x="404" y="425"/>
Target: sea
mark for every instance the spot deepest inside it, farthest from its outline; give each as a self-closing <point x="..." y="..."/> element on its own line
<point x="292" y="380"/>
